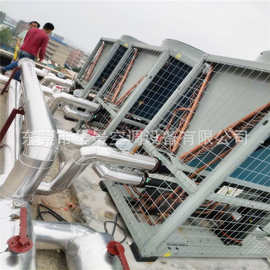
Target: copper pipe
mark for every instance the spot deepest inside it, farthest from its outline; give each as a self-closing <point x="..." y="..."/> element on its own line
<point x="219" y="157"/>
<point x="136" y="191"/>
<point x="213" y="161"/>
<point x="183" y="118"/>
<point x="232" y="126"/>
<point x="231" y="238"/>
<point x="192" y="110"/>
<point x="155" y="202"/>
<point x="93" y="64"/>
<point x="214" y="143"/>
<point x="161" y="137"/>
<point x="128" y="92"/>
<point x="236" y="136"/>
<point x="160" y="197"/>
<point x="120" y="85"/>
<point x="140" y="208"/>
<point x="170" y="207"/>
<point x="116" y="82"/>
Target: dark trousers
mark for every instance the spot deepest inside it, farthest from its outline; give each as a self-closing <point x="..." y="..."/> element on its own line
<point x="14" y="64"/>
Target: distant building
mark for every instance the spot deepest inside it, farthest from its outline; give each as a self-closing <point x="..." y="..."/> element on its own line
<point x="76" y="58"/>
<point x="2" y="16"/>
<point x="21" y="26"/>
<point x="57" y="52"/>
<point x="8" y="21"/>
<point x="57" y="38"/>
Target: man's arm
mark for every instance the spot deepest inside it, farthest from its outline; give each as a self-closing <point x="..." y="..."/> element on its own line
<point x="43" y="48"/>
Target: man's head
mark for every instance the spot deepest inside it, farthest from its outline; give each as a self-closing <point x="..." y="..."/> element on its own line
<point x="48" y="28"/>
<point x="34" y="24"/>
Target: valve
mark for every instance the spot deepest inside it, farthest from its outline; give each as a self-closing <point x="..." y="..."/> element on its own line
<point x="116" y="249"/>
<point x="21" y="243"/>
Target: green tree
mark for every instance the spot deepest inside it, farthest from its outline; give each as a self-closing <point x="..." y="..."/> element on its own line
<point x="5" y="37"/>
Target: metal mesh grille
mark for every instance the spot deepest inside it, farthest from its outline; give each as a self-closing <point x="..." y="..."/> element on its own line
<point x="129" y="76"/>
<point x="250" y="181"/>
<point x="160" y="89"/>
<point x="154" y="203"/>
<point x="110" y="67"/>
<point x="99" y="122"/>
<point x="229" y="101"/>
<point x="256" y="168"/>
<point x="231" y="224"/>
<point x="216" y="112"/>
<point x="98" y="58"/>
<point x="206" y="154"/>
<point x="164" y="198"/>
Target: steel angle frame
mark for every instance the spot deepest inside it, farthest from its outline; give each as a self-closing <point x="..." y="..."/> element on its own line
<point x="172" y="160"/>
<point x="188" y="230"/>
<point x="175" y="237"/>
<point x="116" y="114"/>
<point x="152" y="84"/>
<point x="139" y="91"/>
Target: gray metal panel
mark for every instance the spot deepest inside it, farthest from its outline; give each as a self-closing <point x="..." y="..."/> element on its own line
<point x="183" y="49"/>
<point x="130" y="39"/>
<point x="239" y="62"/>
<point x="264" y="57"/>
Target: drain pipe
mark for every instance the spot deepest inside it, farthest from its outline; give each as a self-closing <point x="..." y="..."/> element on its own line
<point x="76" y="114"/>
<point x="41" y="72"/>
<point x="84" y="248"/>
<point x="108" y="174"/>
<point x="35" y="158"/>
<point x="59" y="98"/>
<point x="91" y="154"/>
<point x="52" y="79"/>
<point x="47" y="91"/>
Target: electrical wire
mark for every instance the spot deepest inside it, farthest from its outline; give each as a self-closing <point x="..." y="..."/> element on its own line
<point x="61" y="219"/>
<point x="50" y="212"/>
<point x="114" y="222"/>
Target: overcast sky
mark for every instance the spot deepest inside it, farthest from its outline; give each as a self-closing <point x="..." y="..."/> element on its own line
<point x="237" y="29"/>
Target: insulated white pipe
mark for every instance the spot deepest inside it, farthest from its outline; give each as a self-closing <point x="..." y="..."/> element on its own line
<point x="42" y="72"/>
<point x="51" y="78"/>
<point x="88" y="155"/>
<point x="59" y="98"/>
<point x="108" y="174"/>
<point x="75" y="114"/>
<point x="84" y="248"/>
<point x="47" y="91"/>
<point x="39" y="150"/>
